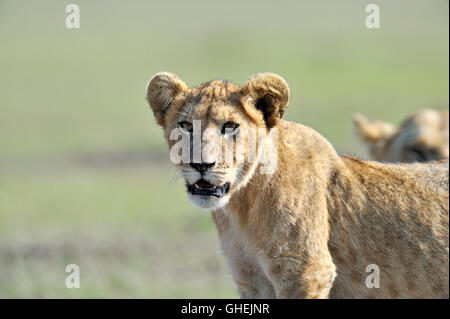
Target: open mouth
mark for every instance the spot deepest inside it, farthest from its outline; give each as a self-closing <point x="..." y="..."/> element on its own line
<point x="202" y="187"/>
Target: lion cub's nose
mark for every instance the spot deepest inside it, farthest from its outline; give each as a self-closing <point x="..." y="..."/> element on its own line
<point x="202" y="167"/>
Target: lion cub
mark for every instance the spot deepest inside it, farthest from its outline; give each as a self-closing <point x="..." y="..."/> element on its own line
<point x="421" y="137"/>
<point x="296" y="220"/>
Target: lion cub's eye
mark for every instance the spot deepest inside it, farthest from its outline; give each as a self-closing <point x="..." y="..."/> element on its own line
<point x="229" y="127"/>
<point x="186" y="126"/>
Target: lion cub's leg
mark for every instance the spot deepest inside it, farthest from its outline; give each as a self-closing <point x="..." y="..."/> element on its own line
<point x="293" y="279"/>
<point x="250" y="279"/>
<point x="297" y="259"/>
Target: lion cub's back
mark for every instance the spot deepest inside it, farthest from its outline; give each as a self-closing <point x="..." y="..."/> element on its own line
<point x="395" y="217"/>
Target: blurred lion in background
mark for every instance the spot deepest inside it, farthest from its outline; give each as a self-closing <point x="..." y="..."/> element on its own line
<point x="422" y="137"/>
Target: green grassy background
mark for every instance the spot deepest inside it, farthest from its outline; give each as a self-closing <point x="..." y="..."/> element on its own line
<point x="84" y="174"/>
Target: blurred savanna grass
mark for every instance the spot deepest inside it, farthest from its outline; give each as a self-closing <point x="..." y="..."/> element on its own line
<point x="84" y="172"/>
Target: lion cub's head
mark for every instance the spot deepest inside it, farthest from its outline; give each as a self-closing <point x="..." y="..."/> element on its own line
<point x="218" y="133"/>
<point x="421" y="137"/>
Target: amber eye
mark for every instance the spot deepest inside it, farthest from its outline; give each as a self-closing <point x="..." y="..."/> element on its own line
<point x="185" y="126"/>
<point x="229" y="127"/>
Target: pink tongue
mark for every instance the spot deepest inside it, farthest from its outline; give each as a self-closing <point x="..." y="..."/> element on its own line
<point x="204" y="184"/>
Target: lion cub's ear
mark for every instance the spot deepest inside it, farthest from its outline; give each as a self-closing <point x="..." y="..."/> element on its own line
<point x="162" y="90"/>
<point x="373" y="131"/>
<point x="267" y="93"/>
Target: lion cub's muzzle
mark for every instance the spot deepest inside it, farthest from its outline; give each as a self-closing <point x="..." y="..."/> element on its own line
<point x="202" y="187"/>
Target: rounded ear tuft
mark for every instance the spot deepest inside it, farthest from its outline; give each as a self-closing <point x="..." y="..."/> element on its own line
<point x="373" y="131"/>
<point x="162" y="89"/>
<point x="270" y="95"/>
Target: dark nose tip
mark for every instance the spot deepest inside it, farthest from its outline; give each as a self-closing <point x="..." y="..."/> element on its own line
<point x="201" y="167"/>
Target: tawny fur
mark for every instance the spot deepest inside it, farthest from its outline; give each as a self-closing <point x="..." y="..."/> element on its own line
<point x="421" y="137"/>
<point x="309" y="229"/>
